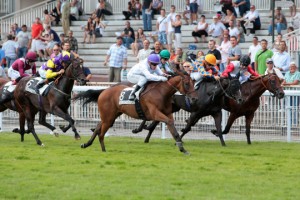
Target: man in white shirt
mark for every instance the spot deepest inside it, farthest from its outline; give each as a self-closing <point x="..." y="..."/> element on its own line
<point x="216" y="29"/>
<point x="271" y="69"/>
<point x="224" y="50"/>
<point x="161" y="27"/>
<point x="233" y="31"/>
<point x="252" y="20"/>
<point x="253" y="49"/>
<point x="281" y="58"/>
<point x="24" y="40"/>
<point x="145" y="52"/>
<point x="170" y="30"/>
<point x="10" y="48"/>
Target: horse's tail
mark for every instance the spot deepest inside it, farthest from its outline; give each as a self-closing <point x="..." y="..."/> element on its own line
<point x="88" y="96"/>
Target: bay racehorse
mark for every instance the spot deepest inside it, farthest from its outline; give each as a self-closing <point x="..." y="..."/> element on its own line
<point x="209" y="94"/>
<point x="251" y="91"/>
<point x="56" y="102"/>
<point x="155" y="101"/>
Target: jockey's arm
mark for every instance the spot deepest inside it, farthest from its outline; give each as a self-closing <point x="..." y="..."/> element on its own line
<point x="228" y="69"/>
<point x="22" y="71"/>
<point x="151" y="77"/>
<point x="33" y="69"/>
<point x="51" y="74"/>
<point x="205" y="73"/>
<point x="251" y="71"/>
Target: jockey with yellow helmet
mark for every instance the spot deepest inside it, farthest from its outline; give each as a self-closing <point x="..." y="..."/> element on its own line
<point x="207" y="69"/>
<point x="53" y="67"/>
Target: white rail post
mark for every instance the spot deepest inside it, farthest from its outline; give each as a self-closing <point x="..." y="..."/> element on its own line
<point x="224" y="122"/>
<point x="163" y="130"/>
<point x="289" y="117"/>
<point x="1" y="128"/>
<point x="52" y="120"/>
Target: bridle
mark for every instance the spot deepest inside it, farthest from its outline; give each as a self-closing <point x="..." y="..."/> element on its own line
<point x="177" y="90"/>
<point x="74" y="76"/>
<point x="273" y="87"/>
<point x="227" y="94"/>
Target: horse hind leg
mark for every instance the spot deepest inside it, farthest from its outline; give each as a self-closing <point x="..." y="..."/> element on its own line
<point x="249" y="119"/>
<point x="30" y="124"/>
<point x="140" y="128"/>
<point x="95" y="133"/>
<point x="42" y="121"/>
<point x="218" y="119"/>
<point x="151" y="128"/>
<point x="194" y="118"/>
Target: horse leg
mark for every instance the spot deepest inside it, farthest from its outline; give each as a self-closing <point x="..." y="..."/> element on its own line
<point x="65" y="129"/>
<point x="60" y="113"/>
<point x="95" y="133"/>
<point x="140" y="128"/>
<point x="194" y="118"/>
<point x="249" y="119"/>
<point x="218" y="119"/>
<point x="232" y="117"/>
<point x="42" y="121"/>
<point x="30" y="123"/>
<point x="22" y="125"/>
<point x="151" y="128"/>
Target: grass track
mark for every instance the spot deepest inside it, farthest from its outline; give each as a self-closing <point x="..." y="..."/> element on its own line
<point x="131" y="169"/>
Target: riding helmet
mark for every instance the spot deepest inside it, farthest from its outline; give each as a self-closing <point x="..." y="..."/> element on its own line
<point x="31" y="56"/>
<point x="245" y="60"/>
<point x="165" y="54"/>
<point x="211" y="59"/>
<point x="154" y="58"/>
<point x="65" y="56"/>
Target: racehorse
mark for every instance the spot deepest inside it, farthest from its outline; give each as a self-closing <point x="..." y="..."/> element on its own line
<point x="155" y="101"/>
<point x="56" y="102"/>
<point x="210" y="94"/>
<point x="251" y="91"/>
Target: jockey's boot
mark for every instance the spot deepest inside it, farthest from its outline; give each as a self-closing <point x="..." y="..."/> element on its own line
<point x="39" y="85"/>
<point x="132" y="94"/>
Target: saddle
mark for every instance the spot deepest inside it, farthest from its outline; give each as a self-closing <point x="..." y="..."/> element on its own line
<point x="7" y="90"/>
<point x="31" y="85"/>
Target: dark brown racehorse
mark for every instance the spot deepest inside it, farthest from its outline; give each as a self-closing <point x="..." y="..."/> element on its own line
<point x="156" y="103"/>
<point x="251" y="91"/>
<point x="56" y="102"/>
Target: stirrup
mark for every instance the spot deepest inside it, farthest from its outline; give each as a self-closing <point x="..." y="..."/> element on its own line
<point x="131" y="97"/>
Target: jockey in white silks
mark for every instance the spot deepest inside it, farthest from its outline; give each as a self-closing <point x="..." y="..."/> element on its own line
<point x="243" y="67"/>
<point x="145" y="71"/>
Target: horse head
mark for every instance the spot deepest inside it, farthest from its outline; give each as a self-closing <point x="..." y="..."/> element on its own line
<point x="272" y="83"/>
<point x="184" y="84"/>
<point x="233" y="89"/>
<point x="75" y="71"/>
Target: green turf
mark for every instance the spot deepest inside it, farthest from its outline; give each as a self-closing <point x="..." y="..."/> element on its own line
<point x="131" y="169"/>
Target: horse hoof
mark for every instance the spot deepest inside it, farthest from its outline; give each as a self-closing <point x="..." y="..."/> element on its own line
<point x="54" y="133"/>
<point x="77" y="138"/>
<point x="92" y="129"/>
<point x="135" y="131"/>
<point x="186" y="153"/>
<point x="16" y="130"/>
<point x="42" y="145"/>
<point x="82" y="146"/>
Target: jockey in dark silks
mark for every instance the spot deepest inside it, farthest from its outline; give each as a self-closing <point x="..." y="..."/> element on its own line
<point x="52" y="68"/>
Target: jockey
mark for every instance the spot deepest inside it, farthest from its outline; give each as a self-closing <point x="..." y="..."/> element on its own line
<point x="206" y="70"/>
<point x="164" y="58"/>
<point x="52" y="68"/>
<point x="144" y="71"/>
<point x="18" y="68"/>
<point x="243" y="67"/>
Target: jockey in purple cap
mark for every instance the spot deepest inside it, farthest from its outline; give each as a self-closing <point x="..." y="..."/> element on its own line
<point x="52" y="68"/>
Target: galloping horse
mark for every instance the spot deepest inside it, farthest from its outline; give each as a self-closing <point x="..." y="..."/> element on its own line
<point x="155" y="101"/>
<point x="251" y="91"/>
<point x="210" y="94"/>
<point x="56" y="102"/>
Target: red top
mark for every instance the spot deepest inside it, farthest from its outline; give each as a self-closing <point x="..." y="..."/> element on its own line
<point x="36" y="29"/>
<point x="20" y="66"/>
<point x="230" y="68"/>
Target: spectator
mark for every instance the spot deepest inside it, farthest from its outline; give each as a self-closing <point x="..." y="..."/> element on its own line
<point x="261" y="57"/>
<point x="292" y="77"/>
<point x="187" y="12"/>
<point x="99" y="27"/>
<point x="216" y="29"/>
<point x="227" y="5"/>
<point x="180" y="58"/>
<point x="295" y="21"/>
<point x="56" y="13"/>
<point x="55" y="51"/>
<point x="62" y="38"/>
<point x="129" y="12"/>
<point x="157" y="48"/>
<point x="234" y="52"/>
<point x="276" y="45"/>
<point x="281" y="58"/>
<point x="187" y="67"/>
<point x="193" y="11"/>
<point x="156" y="6"/>
<point x="145" y="52"/>
<point x="102" y="9"/>
<point x="280" y="21"/>
<point x="117" y="57"/>
<point x="10" y="48"/>
<point x="177" y="30"/>
<point x="128" y="35"/>
<point x="293" y="9"/>
<point x="271" y="69"/>
<point x="229" y="17"/>
<point x="74" y="12"/>
<point x="47" y="19"/>
<point x="251" y="20"/>
<point x="212" y="50"/>
<point x="65" y="16"/>
<point x="87" y="73"/>
<point x="146" y="12"/>
<point x="200" y="30"/>
<point x="170" y="30"/>
<point x="89" y="31"/>
<point x="137" y="10"/>
<point x="73" y="42"/>
<point x="2" y="57"/>
<point x="138" y="43"/>
<point x="242" y="5"/>
<point x="234" y="31"/>
<point x="241" y="31"/>
<point x="161" y="27"/>
<point x="15" y="29"/>
<point x="79" y="7"/>
<point x="52" y="40"/>
<point x="66" y="46"/>
<point x="253" y="49"/>
<point x="224" y="50"/>
<point x="24" y="40"/>
<point x="292" y="40"/>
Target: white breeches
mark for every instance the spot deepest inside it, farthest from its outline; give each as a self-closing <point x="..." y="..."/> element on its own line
<point x="137" y="79"/>
<point x="13" y="74"/>
<point x="42" y="73"/>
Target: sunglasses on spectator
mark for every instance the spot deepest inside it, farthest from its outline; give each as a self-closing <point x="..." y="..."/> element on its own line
<point x="55" y="49"/>
<point x="185" y="66"/>
<point x="154" y="64"/>
<point x="269" y="62"/>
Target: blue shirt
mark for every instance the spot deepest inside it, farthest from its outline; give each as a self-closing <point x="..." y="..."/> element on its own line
<point x="117" y="55"/>
<point x="2" y="55"/>
<point x="282" y="60"/>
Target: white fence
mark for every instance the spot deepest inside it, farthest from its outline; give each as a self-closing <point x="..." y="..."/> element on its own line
<point x="275" y="120"/>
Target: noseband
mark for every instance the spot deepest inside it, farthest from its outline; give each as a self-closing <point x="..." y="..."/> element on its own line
<point x="273" y="87"/>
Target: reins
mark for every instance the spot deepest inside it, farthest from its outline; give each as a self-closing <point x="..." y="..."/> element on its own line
<point x="224" y="91"/>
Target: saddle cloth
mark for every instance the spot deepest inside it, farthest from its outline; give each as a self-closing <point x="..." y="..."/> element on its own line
<point x="31" y="85"/>
<point x="124" y="96"/>
<point x="9" y="87"/>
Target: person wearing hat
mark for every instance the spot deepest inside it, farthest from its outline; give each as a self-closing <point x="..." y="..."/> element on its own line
<point x="292" y="77"/>
<point x="271" y="69"/>
<point x="164" y="65"/>
<point x="280" y="22"/>
<point x="216" y="29"/>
